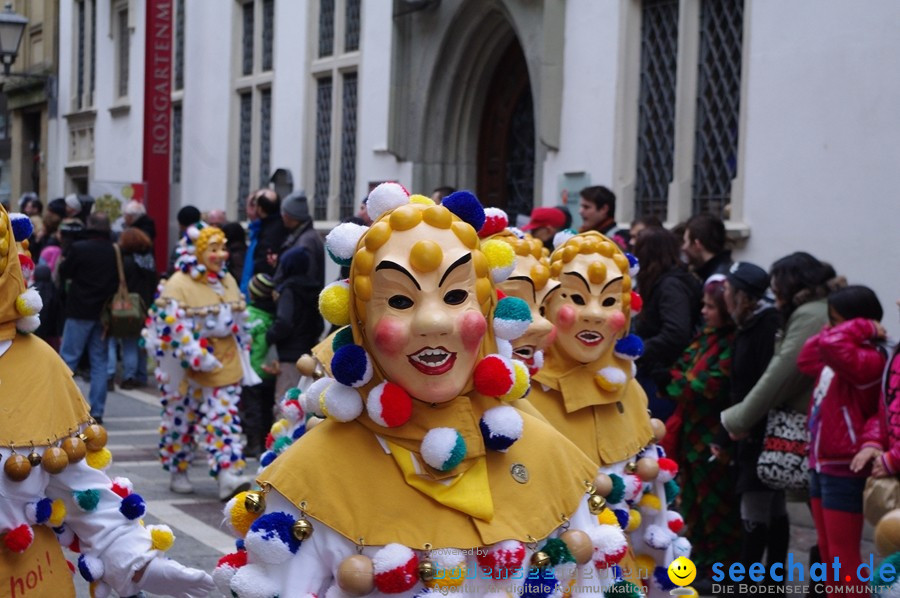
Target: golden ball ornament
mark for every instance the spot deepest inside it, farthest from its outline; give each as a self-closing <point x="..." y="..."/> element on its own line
<point x="34" y="458"/>
<point x="75" y="448"/>
<point x="17" y="467"/>
<point x="306" y="365"/>
<point x="54" y="459"/>
<point x="647" y="469"/>
<point x="603" y="484"/>
<point x="659" y="429"/>
<point x="95" y="437"/>
<point x="631" y="467"/>
<point x="302" y="529"/>
<point x="540" y="559"/>
<point x="255" y="502"/>
<point x="579" y="545"/>
<point x="356" y="575"/>
<point x="426" y="571"/>
<point x="596" y="504"/>
<point x="887" y="533"/>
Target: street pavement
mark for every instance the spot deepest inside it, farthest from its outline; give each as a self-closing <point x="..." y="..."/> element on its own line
<point x="132" y="419"/>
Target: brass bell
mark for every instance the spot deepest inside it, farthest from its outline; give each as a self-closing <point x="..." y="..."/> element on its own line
<point x="426" y="571"/>
<point x="596" y="504"/>
<point x="34" y="458"/>
<point x="17" y="467"/>
<point x="302" y="529"/>
<point x="631" y="467"/>
<point x="255" y="502"/>
<point x="540" y="559"/>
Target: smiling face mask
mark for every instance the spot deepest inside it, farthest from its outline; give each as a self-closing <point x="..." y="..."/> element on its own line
<point x="211" y="250"/>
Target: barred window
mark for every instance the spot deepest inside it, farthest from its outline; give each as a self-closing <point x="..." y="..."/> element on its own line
<point x="326" y="28"/>
<point x="265" y="134"/>
<point x="122" y="50"/>
<point x="323" y="147"/>
<point x="245" y="136"/>
<point x="351" y="35"/>
<point x="268" y="38"/>
<point x="179" y="45"/>
<point x="177" y="121"/>
<point x="85" y="53"/>
<point x="247" y="38"/>
<point x="348" y="147"/>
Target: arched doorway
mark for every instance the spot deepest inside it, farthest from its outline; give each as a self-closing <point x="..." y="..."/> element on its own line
<point x="506" y="145"/>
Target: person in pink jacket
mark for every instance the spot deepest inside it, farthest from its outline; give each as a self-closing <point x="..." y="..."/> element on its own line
<point x="843" y="418"/>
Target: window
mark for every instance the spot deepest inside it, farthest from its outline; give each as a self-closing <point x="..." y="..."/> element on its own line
<point x="85" y="54"/>
<point x="177" y="91"/>
<point x="178" y="82"/>
<point x="253" y="94"/>
<point x="177" y="122"/>
<point x="334" y="118"/>
<point x="122" y="44"/>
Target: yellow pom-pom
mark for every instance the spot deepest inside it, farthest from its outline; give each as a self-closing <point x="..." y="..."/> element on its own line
<point x="161" y="537"/>
<point x="240" y="518"/>
<point x="425" y="201"/>
<point x="608" y="517"/>
<point x="650" y="501"/>
<point x="334" y="303"/>
<point x="280" y="428"/>
<point x="634" y="520"/>
<point x="170" y="319"/>
<point x="448" y="578"/>
<point x="99" y="459"/>
<point x="520" y="386"/>
<point x="645" y="565"/>
<point x="57" y="512"/>
<point x="501" y="257"/>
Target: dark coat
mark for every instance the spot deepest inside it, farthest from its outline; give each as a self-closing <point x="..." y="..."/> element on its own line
<point x="297" y="324"/>
<point x="718" y="264"/>
<point x="51" y="312"/>
<point x="272" y="234"/>
<point x="308" y="238"/>
<point x="146" y="224"/>
<point x="90" y="267"/>
<point x="140" y="274"/>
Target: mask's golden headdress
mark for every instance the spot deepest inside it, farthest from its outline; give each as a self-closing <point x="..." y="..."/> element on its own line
<point x="19" y="305"/>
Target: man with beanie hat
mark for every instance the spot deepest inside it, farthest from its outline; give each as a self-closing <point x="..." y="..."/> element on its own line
<point x="297" y="220"/>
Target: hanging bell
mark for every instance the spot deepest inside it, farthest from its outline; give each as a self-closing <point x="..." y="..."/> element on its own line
<point x="356" y="575"/>
<point x="255" y="502"/>
<point x="302" y="529"/>
<point x="631" y="467"/>
<point x="540" y="560"/>
<point x="596" y="504"/>
<point x="17" y="467"/>
<point x="74" y="448"/>
<point x="426" y="571"/>
<point x="95" y="437"/>
<point x="34" y="458"/>
<point x="54" y="459"/>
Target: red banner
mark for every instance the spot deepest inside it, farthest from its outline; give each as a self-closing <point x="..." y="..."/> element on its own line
<point x="157" y="117"/>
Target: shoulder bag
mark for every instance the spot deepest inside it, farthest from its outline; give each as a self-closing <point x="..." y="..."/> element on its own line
<point x="784" y="461"/>
<point x="125" y="312"/>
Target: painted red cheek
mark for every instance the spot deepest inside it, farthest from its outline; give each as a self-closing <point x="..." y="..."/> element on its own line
<point x="472" y="327"/>
<point x="617" y="321"/>
<point x="565" y="317"/>
<point x="391" y="336"/>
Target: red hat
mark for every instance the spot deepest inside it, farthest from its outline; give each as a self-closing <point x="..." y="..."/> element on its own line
<point x="545" y="217"/>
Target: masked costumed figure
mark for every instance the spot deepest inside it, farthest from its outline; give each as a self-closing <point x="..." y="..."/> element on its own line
<point x="197" y="330"/>
<point x="422" y="479"/>
<point x="587" y="390"/>
<point x="53" y="490"/>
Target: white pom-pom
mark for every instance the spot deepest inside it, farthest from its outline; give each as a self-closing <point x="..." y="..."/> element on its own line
<point x="341" y="242"/>
<point x="392" y="556"/>
<point x="538" y="359"/>
<point x="313" y="398"/>
<point x="28" y="324"/>
<point x="332" y="592"/>
<point x="29" y="303"/>
<point x="561" y="237"/>
<point x="633" y="486"/>
<point x="610" y="545"/>
<point x="292" y="410"/>
<point x="386" y="197"/>
<point x="343" y="403"/>
<point x="441" y="448"/>
<point x="222" y="576"/>
<point x="501" y="424"/>
<point x="124" y="483"/>
<point x="193" y="232"/>
<point x="504" y="347"/>
<point x="253" y="581"/>
<point x="658" y="536"/>
<point x="90" y="567"/>
<point x="611" y="378"/>
<point x="681" y="547"/>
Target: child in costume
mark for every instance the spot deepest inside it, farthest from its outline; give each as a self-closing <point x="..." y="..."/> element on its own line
<point x="587" y="390"/>
<point x="52" y="490"/>
<point x="421" y="481"/>
<point x="196" y="328"/>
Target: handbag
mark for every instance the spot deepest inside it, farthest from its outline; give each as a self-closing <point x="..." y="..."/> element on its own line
<point x="784" y="461"/>
<point x="880" y="496"/>
<point x="125" y="312"/>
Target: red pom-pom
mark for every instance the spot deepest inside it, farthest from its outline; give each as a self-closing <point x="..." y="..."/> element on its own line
<point x="235" y="560"/>
<point x="396" y="569"/>
<point x="27" y="266"/>
<point x="389" y="405"/>
<point x="636" y="302"/>
<point x="493" y="376"/>
<point x="668" y="469"/>
<point x="71" y="566"/>
<point x="270" y="440"/>
<point x="502" y="559"/>
<point x="121" y="490"/>
<point x="495" y="220"/>
<point x="75" y="546"/>
<point x="676" y="523"/>
<point x="500" y="295"/>
<point x="19" y="538"/>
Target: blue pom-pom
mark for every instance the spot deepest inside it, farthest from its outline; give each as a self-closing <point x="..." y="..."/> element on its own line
<point x="343" y="337"/>
<point x="42" y="510"/>
<point x="350" y="366"/>
<point x="266" y="458"/>
<point x="21" y="225"/>
<point x="466" y="207"/>
<point x="661" y="579"/>
<point x="539" y="583"/>
<point x="239" y="544"/>
<point x="132" y="506"/>
<point x="500" y="427"/>
<point x="634" y="265"/>
<point x="630" y="347"/>
<point x="90" y="568"/>
<point x="298" y="432"/>
<point x="622" y="516"/>
<point x="277" y="525"/>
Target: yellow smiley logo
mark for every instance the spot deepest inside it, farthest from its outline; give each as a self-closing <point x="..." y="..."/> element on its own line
<point x="682" y="571"/>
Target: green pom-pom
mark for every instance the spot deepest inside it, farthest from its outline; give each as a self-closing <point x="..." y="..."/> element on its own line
<point x="878" y="581"/>
<point x="343" y="337"/>
<point x="281" y="444"/>
<point x="87" y="500"/>
<point x="672" y="491"/>
<point x="558" y="552"/>
<point x="617" y="494"/>
<point x="512" y="308"/>
<point x="625" y="588"/>
<point x="292" y="394"/>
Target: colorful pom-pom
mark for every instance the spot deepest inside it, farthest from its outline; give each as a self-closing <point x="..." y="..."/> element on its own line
<point x="342" y="240"/>
<point x="29" y="303"/>
<point x="293" y="411"/>
<point x="637" y="302"/>
<point x="253" y="581"/>
<point x="122" y="486"/>
<point x="161" y="537"/>
<point x="57" y="513"/>
<point x="623" y="517"/>
<point x="521" y="383"/>
<point x="39" y="512"/>
<point x="630" y="347"/>
<point x="334" y="303"/>
<point x="494" y="376"/>
<point x="501" y="259"/>
<point x="611" y="379"/>
<point x="27" y="265"/>
<point x="608" y="517"/>
<point x="495" y="220"/>
<point x="617" y="494"/>
<point x="560" y="238"/>
<point x="314" y="397"/>
<point x="658" y="536"/>
<point x="28" y="324"/>
<point x="661" y="580"/>
<point x="558" y="552"/>
<point x="672" y="491"/>
<point x="668" y="469"/>
<point x="681" y="547"/>
<point x="270" y="539"/>
<point x="539" y="583"/>
<point x="389" y="405"/>
<point x="466" y="207"/>
<point x="226" y="568"/>
<point x="21" y="225"/>
<point x="19" y="538"/>
<point x="634" y="266"/>
<point x="266" y="458"/>
<point x="675" y="520"/>
<point x="99" y="459"/>
<point x="502" y="559"/>
<point x="443" y="448"/>
<point x="650" y="504"/>
<point x="609" y="544"/>
<point x="386" y="197"/>
<point x="634" y="520"/>
<point x="237" y="518"/>
<point x="132" y="507"/>
<point x="501" y="427"/>
<point x="633" y="487"/>
<point x="87" y="500"/>
<point x="450" y="569"/>
<point x="512" y="316"/>
<point x="351" y="366"/>
<point x="344" y="336"/>
<point x="90" y="567"/>
<point x="342" y="403"/>
<point x="396" y="569"/>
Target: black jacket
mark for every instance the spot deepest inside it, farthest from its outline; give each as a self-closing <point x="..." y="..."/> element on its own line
<point x="667" y="323"/>
<point x="90" y="267"/>
<point x="146" y="224"/>
<point x="272" y="234"/>
<point x="51" y="313"/>
<point x="718" y="264"/>
<point x="297" y="324"/>
<point x="140" y="274"/>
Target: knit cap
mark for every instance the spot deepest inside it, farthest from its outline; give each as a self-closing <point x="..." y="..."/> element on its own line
<point x="261" y="286"/>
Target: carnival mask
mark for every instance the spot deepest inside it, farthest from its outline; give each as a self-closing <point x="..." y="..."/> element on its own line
<point x="212" y="253"/>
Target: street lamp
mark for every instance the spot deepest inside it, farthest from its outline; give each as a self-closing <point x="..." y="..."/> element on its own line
<point x="12" y="26"/>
